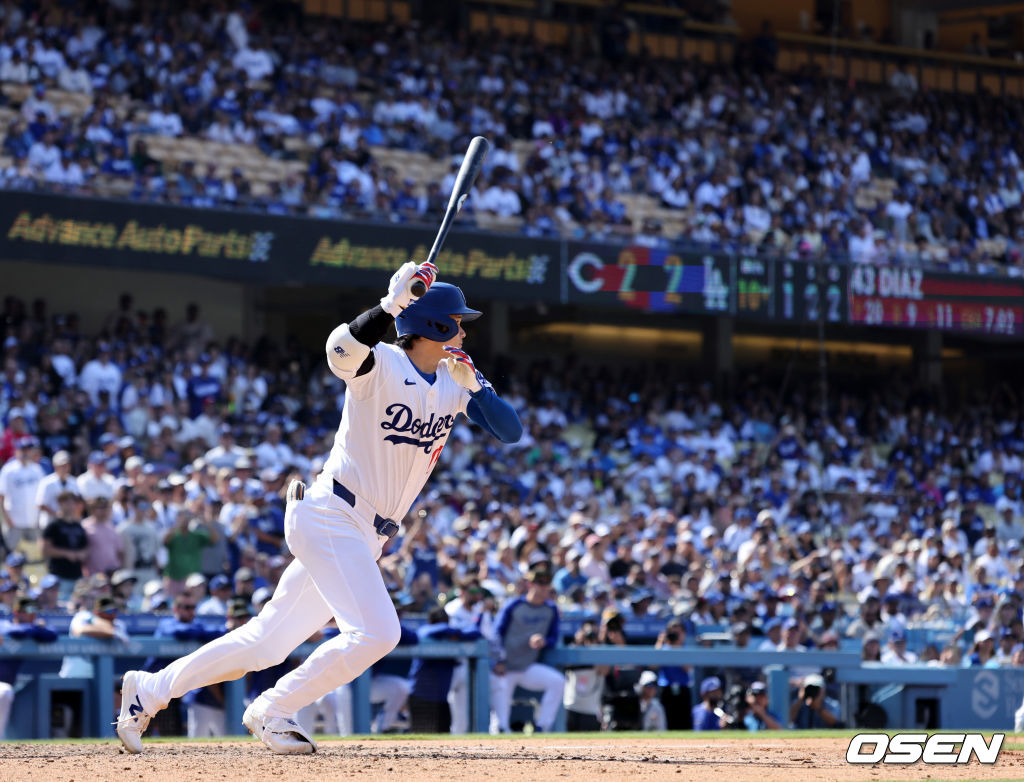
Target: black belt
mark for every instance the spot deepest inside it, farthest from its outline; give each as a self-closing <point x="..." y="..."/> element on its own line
<point x="385" y="527"/>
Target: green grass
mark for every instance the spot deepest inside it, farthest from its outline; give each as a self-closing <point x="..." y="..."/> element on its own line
<point x="765" y="735"/>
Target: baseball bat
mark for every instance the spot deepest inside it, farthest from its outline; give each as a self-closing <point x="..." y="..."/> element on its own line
<point x="460" y="192"/>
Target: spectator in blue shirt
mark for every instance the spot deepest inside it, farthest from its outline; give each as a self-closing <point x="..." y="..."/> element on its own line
<point x="569" y="576"/>
<point x="704" y="716"/>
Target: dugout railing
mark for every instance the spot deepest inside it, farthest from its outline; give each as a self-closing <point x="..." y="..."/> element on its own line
<point x="962" y="697"/>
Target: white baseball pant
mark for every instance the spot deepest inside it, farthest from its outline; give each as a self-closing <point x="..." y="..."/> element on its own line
<point x="334" y="573"/>
<point x="537" y="676"/>
<point x="391" y="692"/>
<point x="6" y="702"/>
<point x="205" y="721"/>
<point x="458" y="698"/>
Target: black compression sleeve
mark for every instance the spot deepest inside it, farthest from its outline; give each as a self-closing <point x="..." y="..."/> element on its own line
<point x="370" y="327"/>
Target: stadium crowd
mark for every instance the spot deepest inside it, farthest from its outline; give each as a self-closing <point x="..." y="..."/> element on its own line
<point x="146" y="466"/>
<point x="742" y="156"/>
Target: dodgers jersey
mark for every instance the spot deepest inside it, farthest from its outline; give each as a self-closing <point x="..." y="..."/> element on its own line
<point x="393" y="427"/>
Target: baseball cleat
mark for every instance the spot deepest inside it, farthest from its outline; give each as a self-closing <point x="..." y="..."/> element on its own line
<point x="133" y="719"/>
<point x="284" y="736"/>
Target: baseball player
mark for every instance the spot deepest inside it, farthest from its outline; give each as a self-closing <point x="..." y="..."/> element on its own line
<point x="401" y="402"/>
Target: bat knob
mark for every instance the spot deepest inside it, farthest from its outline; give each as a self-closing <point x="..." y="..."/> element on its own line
<point x="418" y="288"/>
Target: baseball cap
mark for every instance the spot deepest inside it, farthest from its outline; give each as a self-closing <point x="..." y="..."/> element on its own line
<point x="219" y="581"/>
<point x="27" y="442"/>
<point x="262" y="595"/>
<point x="194" y="580"/>
<point x="61" y="457"/>
<point x="96" y="457"/>
<point x="710" y="684"/>
<point x="647" y="678"/>
<point x="49" y="581"/>
<point x="239" y="607"/>
<point x="15" y="559"/>
<point x="121" y="576"/>
<point x="772" y="623"/>
<point x="897" y="634"/>
<point x="105" y="604"/>
<point x="814" y="680"/>
<point x="108" y="438"/>
<point x="243" y="574"/>
<point x="738" y="628"/>
<point x="756" y="688"/>
<point x="7" y="586"/>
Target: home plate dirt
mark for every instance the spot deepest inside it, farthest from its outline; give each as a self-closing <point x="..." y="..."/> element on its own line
<point x="510" y="760"/>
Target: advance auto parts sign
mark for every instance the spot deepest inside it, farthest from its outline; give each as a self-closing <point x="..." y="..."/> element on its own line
<point x="105" y="233"/>
<point x="485" y="264"/>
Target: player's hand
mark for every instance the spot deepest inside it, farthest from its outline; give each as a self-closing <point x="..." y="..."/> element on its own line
<point x="461" y="368"/>
<point x="499" y="669"/>
<point x="537" y="641"/>
<point x="399" y="296"/>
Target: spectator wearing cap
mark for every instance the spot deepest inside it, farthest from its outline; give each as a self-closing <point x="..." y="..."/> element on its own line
<point x="759" y="716"/>
<point x="100" y="374"/>
<point x="100" y="622"/>
<point x="51" y="485"/>
<point x="896" y="649"/>
<point x="983" y="651"/>
<point x="185" y="542"/>
<point x="122" y="588"/>
<point x="182" y="625"/>
<point x="48" y="597"/>
<point x="195" y="588"/>
<point x="96" y="481"/>
<point x="267" y="525"/>
<point x="19" y="483"/>
<point x="652" y="712"/>
<point x="140" y="538"/>
<point x="569" y="575"/>
<point x="593" y="563"/>
<point x="525" y="626"/>
<point x="220" y="594"/>
<point x="25" y="624"/>
<point x="772" y="629"/>
<point x="106" y="549"/>
<point x="812" y="708"/>
<point x="245" y="583"/>
<point x="65" y="544"/>
<point x="708" y="715"/>
<point x="15" y="564"/>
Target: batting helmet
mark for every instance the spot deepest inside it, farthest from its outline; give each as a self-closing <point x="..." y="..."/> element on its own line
<point x="430" y="316"/>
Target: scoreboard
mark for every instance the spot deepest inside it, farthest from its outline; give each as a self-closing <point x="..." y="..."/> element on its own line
<point x="914" y="298"/>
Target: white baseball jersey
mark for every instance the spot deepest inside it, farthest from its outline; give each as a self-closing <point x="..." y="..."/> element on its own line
<point x="18" y="484"/>
<point x="392" y="430"/>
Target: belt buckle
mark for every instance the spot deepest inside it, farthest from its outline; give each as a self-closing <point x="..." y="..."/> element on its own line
<point x="387" y="527"/>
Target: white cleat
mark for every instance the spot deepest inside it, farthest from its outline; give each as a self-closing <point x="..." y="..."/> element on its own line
<point x="284" y="736"/>
<point x="133" y="719"/>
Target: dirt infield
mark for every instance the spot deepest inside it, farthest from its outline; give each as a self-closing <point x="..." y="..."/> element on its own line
<point x="508" y="760"/>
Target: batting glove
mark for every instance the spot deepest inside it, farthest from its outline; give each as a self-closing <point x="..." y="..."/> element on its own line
<point x="399" y="296"/>
<point x="462" y="369"/>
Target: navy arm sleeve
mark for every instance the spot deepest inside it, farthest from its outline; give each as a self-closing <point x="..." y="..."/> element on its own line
<point x="489" y="411"/>
<point x="370" y="328"/>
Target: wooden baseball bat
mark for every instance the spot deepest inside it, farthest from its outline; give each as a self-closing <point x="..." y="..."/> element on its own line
<point x="460" y="192"/>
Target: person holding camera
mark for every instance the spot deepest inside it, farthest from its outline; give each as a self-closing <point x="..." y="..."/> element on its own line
<point x="674" y="680"/>
<point x="758" y="716"/>
<point x="812" y="708"/>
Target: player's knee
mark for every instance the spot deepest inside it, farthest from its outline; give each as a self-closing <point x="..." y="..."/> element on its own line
<point x="385" y="635"/>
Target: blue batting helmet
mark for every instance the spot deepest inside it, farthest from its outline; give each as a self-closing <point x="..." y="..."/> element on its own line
<point x="430" y="315"/>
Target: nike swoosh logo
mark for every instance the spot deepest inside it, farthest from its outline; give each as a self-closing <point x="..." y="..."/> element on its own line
<point x="409" y="382"/>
